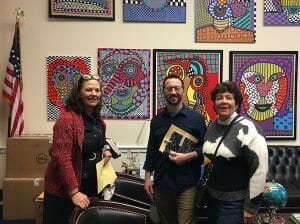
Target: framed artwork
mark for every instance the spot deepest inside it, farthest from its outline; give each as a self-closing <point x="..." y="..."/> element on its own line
<point x="62" y="72"/>
<point x="284" y="12"/>
<point x="164" y="11"/>
<point x="125" y="77"/>
<point x="88" y="9"/>
<point x="200" y="71"/>
<point x="178" y="140"/>
<point x="268" y="81"/>
<point x="225" y="21"/>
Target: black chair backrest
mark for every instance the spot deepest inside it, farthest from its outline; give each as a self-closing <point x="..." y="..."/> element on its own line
<point x="97" y="215"/>
<point x="109" y="212"/>
<point x="130" y="190"/>
<point x="284" y="163"/>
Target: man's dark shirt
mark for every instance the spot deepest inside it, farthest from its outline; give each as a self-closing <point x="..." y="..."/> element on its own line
<point x="169" y="177"/>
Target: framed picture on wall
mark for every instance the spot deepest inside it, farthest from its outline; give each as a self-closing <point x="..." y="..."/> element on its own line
<point x="125" y="80"/>
<point x="268" y="81"/>
<point x="200" y="71"/>
<point x="87" y="9"/>
<point x="226" y="21"/>
<point x="62" y="73"/>
<point x="281" y="13"/>
<point x="155" y="11"/>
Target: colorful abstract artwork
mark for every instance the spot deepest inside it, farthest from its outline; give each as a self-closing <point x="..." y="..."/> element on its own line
<point x="268" y="81"/>
<point x="62" y="72"/>
<point x="225" y="21"/>
<point x="125" y="76"/>
<point x="89" y="9"/>
<point x="282" y="12"/>
<point x="200" y="71"/>
<point x="165" y="11"/>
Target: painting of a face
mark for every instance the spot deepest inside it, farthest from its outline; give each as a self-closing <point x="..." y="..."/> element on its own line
<point x="125" y="80"/>
<point x="267" y="80"/>
<point x="200" y="71"/>
<point x="265" y="90"/>
<point x="282" y="12"/>
<point x="291" y="10"/>
<point x="225" y="21"/>
<point x="62" y="73"/>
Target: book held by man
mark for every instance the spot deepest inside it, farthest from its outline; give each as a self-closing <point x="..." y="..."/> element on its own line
<point x="295" y="217"/>
<point x="178" y="140"/>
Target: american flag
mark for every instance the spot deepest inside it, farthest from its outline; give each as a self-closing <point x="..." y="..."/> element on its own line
<point x="12" y="87"/>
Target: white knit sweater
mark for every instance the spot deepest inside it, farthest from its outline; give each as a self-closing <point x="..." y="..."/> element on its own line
<point x="241" y="164"/>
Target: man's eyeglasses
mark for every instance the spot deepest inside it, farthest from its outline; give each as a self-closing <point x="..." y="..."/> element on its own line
<point x="176" y="88"/>
<point x="88" y="77"/>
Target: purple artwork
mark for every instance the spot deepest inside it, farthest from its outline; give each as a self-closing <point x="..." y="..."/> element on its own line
<point x="268" y="83"/>
<point x="282" y="12"/>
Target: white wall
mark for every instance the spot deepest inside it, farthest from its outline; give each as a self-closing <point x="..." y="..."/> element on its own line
<point x="42" y="37"/>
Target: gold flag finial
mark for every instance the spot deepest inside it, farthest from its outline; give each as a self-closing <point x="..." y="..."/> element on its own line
<point x="19" y="13"/>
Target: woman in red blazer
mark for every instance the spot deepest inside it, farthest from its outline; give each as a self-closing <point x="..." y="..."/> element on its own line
<point x="78" y="140"/>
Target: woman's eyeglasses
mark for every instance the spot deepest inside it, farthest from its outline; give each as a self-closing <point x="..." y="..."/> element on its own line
<point x="89" y="77"/>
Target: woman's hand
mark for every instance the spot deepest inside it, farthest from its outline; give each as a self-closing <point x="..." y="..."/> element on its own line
<point x="106" y="156"/>
<point x="249" y="218"/>
<point x="81" y="200"/>
<point x="148" y="185"/>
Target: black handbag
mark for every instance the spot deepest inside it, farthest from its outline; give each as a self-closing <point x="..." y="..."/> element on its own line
<point x="201" y="189"/>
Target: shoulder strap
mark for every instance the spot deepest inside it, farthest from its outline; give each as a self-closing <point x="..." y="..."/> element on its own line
<point x="224" y="135"/>
<point x="211" y="165"/>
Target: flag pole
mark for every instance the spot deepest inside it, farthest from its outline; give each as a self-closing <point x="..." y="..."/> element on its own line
<point x="12" y="86"/>
<point x="19" y="14"/>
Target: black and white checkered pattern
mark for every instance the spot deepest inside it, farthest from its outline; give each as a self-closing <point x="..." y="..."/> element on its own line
<point x="181" y="3"/>
<point x="133" y="2"/>
<point x="269" y="6"/>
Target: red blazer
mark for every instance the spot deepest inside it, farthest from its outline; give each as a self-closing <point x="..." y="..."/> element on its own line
<point x="65" y="167"/>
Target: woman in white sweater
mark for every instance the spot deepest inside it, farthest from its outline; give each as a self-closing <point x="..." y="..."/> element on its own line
<point x="238" y="178"/>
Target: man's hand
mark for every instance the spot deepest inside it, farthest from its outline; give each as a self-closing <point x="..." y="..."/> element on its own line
<point x="182" y="158"/>
<point x="178" y="157"/>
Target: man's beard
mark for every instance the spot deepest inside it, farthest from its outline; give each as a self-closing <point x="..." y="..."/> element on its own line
<point x="171" y="99"/>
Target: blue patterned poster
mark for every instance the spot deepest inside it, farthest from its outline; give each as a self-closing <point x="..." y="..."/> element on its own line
<point x="165" y="11"/>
